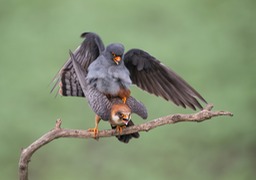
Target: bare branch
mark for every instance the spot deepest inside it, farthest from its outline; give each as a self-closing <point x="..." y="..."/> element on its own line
<point x="58" y="132"/>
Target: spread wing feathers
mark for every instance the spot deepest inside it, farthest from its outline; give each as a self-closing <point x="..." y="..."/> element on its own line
<point x="126" y="138"/>
<point x="85" y="54"/>
<point x="69" y="85"/>
<point x="152" y="76"/>
<point x="99" y="103"/>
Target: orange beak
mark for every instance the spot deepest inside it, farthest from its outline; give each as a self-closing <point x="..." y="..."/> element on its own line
<point x="117" y="59"/>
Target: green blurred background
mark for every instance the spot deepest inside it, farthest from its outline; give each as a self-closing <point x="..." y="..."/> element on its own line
<point x="210" y="43"/>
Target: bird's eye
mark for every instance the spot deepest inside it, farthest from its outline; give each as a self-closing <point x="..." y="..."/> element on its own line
<point x="119" y="114"/>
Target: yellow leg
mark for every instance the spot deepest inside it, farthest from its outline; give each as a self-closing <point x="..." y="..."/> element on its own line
<point x="119" y="129"/>
<point x="124" y="99"/>
<point x="95" y="130"/>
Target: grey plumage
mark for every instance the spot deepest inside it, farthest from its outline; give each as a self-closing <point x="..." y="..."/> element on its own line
<point x="99" y="103"/>
<point x="137" y="67"/>
<point x="105" y="75"/>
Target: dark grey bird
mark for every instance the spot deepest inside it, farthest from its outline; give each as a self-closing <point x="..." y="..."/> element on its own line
<point x="111" y="71"/>
<point x="109" y="109"/>
<point x="109" y="74"/>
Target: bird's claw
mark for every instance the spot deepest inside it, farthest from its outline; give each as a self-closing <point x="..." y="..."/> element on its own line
<point x="95" y="131"/>
<point x="119" y="129"/>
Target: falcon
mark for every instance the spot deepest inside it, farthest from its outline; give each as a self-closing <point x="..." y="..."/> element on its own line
<point x="108" y="72"/>
<point x="109" y="109"/>
<point x="112" y="71"/>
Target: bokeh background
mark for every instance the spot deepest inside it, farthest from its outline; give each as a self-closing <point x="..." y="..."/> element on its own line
<point x="210" y="43"/>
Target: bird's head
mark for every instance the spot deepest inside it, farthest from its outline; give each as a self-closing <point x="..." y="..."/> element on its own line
<point x="120" y="114"/>
<point x="115" y="51"/>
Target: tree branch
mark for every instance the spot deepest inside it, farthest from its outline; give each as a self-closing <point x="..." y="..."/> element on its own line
<point x="58" y="132"/>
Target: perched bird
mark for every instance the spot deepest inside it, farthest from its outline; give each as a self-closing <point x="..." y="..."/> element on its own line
<point x="111" y="71"/>
<point x="109" y="109"/>
<point x="121" y="118"/>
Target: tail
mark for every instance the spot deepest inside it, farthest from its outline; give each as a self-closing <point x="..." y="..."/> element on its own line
<point x="127" y="137"/>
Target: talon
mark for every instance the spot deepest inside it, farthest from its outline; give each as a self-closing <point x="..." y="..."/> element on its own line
<point x="119" y="129"/>
<point x="95" y="131"/>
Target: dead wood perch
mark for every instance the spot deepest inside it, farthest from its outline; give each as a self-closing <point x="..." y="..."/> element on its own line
<point x="58" y="132"/>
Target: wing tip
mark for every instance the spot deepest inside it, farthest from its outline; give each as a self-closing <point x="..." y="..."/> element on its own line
<point x="83" y="35"/>
<point x="86" y="34"/>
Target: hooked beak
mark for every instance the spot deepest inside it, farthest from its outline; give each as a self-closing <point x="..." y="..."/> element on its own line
<point x="126" y="119"/>
<point x="117" y="59"/>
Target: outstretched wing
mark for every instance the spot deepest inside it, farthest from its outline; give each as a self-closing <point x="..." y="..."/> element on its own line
<point x="85" y="54"/>
<point x="151" y="75"/>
